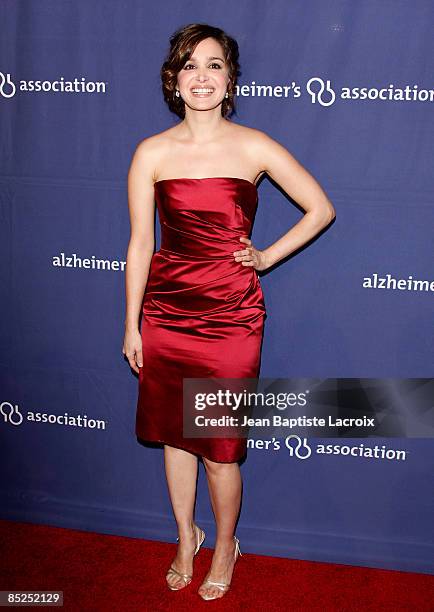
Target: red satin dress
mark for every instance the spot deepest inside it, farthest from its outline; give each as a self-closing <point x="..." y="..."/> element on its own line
<point x="203" y="312"/>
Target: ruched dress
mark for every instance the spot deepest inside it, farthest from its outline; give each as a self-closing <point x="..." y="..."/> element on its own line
<point x="203" y="312"/>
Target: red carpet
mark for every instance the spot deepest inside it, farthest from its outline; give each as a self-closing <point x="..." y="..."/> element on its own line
<point x="101" y="572"/>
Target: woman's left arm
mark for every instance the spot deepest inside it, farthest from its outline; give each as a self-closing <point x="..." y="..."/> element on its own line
<point x="302" y="187"/>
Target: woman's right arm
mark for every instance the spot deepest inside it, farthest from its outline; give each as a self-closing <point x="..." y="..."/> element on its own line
<point x="141" y="206"/>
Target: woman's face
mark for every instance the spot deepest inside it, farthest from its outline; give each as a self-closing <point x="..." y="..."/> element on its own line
<point x="203" y="80"/>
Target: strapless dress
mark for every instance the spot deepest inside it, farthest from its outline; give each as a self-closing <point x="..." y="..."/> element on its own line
<point x="203" y="312"/>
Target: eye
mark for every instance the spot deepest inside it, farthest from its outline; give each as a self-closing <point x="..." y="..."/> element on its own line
<point x="187" y="66"/>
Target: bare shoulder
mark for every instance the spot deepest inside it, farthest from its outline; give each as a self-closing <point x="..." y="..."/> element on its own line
<point x="151" y="150"/>
<point x="259" y="147"/>
<point x="244" y="135"/>
<point x="271" y="156"/>
<point x="259" y="141"/>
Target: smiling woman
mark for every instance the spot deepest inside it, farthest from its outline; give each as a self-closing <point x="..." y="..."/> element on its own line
<point x="200" y="296"/>
<point x="222" y="66"/>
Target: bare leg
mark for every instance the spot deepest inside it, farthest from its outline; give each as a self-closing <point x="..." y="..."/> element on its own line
<point x="225" y="487"/>
<point x="181" y="473"/>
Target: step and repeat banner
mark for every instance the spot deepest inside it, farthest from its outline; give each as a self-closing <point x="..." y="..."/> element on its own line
<point x="347" y="88"/>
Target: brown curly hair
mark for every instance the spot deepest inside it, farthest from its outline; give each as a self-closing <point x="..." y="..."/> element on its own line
<point x="182" y="45"/>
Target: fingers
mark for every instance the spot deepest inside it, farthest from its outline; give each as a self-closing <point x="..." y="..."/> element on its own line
<point x="133" y="364"/>
<point x="246" y="255"/>
<point x="243" y="253"/>
<point x="135" y="359"/>
<point x="132" y="349"/>
<point x="246" y="251"/>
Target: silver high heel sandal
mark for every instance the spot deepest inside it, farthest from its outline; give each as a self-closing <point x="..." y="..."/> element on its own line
<point x="223" y="586"/>
<point x="187" y="578"/>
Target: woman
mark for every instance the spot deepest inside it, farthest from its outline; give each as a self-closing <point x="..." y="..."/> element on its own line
<point x="203" y="308"/>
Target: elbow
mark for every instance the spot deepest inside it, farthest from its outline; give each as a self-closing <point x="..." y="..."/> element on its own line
<point x="330" y="213"/>
<point x="324" y="213"/>
<point x="325" y="216"/>
<point x="141" y="248"/>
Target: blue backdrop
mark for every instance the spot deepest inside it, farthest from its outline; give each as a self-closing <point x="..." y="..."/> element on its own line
<point x="79" y="89"/>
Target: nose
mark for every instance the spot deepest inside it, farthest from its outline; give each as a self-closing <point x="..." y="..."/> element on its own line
<point x="201" y="74"/>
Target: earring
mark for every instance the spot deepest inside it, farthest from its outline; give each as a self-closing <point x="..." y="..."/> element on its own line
<point x="226" y="95"/>
<point x="177" y="93"/>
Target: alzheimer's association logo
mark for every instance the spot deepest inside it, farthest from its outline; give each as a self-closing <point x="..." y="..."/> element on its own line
<point x="321" y="92"/>
<point x="301" y="450"/>
<point x="7" y="86"/>
<point x="10" y="413"/>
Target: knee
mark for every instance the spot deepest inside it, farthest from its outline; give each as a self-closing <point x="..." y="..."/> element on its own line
<point x="214" y="467"/>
